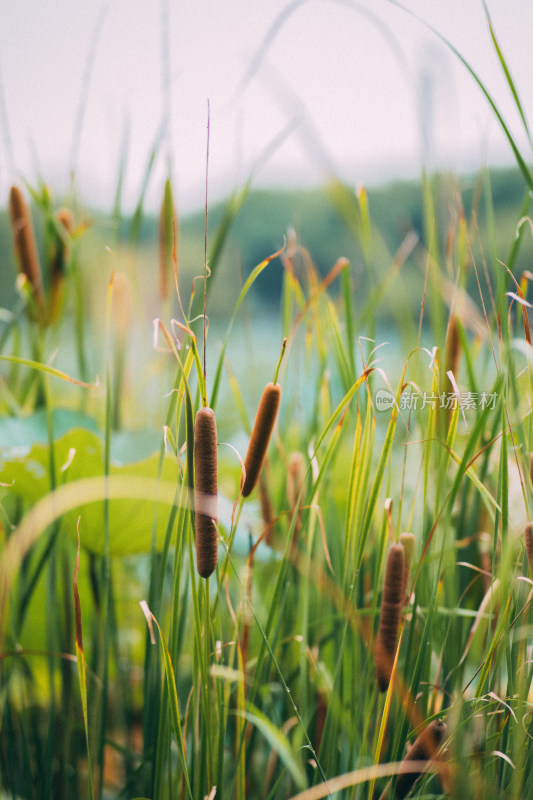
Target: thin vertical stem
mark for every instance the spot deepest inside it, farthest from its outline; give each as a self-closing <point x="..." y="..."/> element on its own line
<point x="205" y="232"/>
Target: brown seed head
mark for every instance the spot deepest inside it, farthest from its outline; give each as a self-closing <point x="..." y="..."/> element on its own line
<point x="206" y="491"/>
<point x="453" y="347"/>
<point x="261" y="433"/>
<point x="529" y="545"/>
<point x="424" y="748"/>
<point x="389" y="620"/>
<point x="25" y="246"/>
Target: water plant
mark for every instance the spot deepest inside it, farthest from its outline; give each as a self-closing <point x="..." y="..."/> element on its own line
<point x="163" y="632"/>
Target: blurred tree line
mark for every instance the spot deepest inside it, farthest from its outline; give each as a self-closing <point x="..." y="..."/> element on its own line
<point x="324" y="222"/>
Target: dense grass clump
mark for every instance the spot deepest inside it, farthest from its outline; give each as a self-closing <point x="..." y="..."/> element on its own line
<point x="262" y="681"/>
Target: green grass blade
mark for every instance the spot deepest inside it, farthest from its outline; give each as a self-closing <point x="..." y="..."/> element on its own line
<point x="277" y="741"/>
<point x="56" y="373"/>
<point x="80" y="661"/>
<point x="507" y="74"/>
<point x="528" y="178"/>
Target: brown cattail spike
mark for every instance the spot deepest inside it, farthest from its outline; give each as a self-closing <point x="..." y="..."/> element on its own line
<point x="424" y="748"/>
<point x="320" y="718"/>
<point x="529" y="546"/>
<point x="25" y="246"/>
<point x="261" y="433"/>
<point x="389" y="620"/>
<point x="452" y="354"/>
<point x="205" y="491"/>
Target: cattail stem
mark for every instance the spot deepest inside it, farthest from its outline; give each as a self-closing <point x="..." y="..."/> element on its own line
<point x="389" y="621"/>
<point x="199" y="369"/>
<point x="207" y="689"/>
<point x="205" y="234"/>
<point x="205" y="491"/>
<point x="280" y="359"/>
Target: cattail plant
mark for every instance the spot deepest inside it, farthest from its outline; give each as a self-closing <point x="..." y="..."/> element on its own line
<point x="262" y="430"/>
<point x="168" y="235"/>
<point x="205" y="440"/>
<point x="529" y="545"/>
<point x="389" y="620"/>
<point x="424" y="748"/>
<point x="205" y="491"/>
<point x="25" y="246"/>
<point x="452" y="353"/>
<point x="450" y="369"/>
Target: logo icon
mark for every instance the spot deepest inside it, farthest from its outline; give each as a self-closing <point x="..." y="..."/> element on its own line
<point x="384" y="400"/>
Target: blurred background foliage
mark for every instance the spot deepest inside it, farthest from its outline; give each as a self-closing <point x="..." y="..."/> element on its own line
<point x="321" y="224"/>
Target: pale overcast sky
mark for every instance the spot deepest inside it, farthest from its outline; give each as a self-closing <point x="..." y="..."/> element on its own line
<point x="339" y="85"/>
